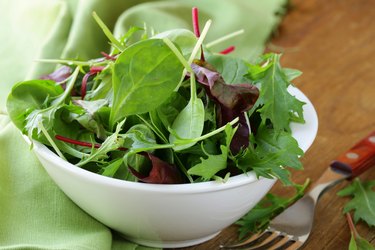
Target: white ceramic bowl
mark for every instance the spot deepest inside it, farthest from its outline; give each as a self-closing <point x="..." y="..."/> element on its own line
<point x="167" y="215"/>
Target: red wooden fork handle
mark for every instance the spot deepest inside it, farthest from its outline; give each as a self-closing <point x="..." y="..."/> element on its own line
<point x="357" y="159"/>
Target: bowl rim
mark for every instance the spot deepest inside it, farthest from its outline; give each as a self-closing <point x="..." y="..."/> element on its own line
<point x="310" y="127"/>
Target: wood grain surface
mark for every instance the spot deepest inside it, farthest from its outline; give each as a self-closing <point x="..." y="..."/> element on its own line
<point x="333" y="43"/>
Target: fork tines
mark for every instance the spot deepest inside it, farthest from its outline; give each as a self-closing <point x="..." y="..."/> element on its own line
<point x="269" y="239"/>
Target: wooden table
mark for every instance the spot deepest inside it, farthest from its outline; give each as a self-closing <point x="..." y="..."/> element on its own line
<point x="333" y="43"/>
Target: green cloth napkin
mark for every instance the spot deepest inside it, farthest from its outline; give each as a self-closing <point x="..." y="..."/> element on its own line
<point x="34" y="213"/>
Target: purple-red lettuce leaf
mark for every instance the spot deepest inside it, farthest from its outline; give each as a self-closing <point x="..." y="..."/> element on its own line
<point x="161" y="172"/>
<point x="59" y="75"/>
<point x="232" y="100"/>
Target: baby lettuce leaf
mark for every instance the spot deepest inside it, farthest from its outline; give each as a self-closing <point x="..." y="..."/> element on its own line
<point x="363" y="201"/>
<point x="277" y="104"/>
<point x="144" y="76"/>
<point x="58" y="75"/>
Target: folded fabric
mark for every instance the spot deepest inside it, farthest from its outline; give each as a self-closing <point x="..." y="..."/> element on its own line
<point x="34" y="213"/>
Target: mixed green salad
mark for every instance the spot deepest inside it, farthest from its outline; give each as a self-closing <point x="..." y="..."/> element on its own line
<point x="164" y="108"/>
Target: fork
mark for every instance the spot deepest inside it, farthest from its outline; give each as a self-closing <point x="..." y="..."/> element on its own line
<point x="290" y="229"/>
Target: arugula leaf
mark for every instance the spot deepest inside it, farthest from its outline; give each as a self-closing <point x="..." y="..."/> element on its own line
<point x="363" y="201"/>
<point x="111" y="169"/>
<point x="273" y="152"/>
<point x="89" y="117"/>
<point x="258" y="218"/>
<point x="211" y="165"/>
<point x="145" y="69"/>
<point x="113" y="142"/>
<point x="277" y="104"/>
<point x="208" y="167"/>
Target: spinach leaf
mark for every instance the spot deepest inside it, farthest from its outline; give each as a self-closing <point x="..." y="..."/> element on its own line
<point x="144" y="76"/>
<point x="188" y="124"/>
<point x="28" y="96"/>
<point x="183" y="38"/>
<point x="233" y="70"/>
<point x="163" y="116"/>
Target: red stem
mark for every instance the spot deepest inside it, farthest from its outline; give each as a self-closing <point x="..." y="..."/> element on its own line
<point x="195" y="22"/>
<point x="84" y="84"/>
<point x="351" y="225"/>
<point x="108" y="57"/>
<point x="228" y="50"/>
<point x="197" y="32"/>
<point x="93" y="70"/>
<point x="82" y="143"/>
<point x="96" y="69"/>
<point x="75" y="142"/>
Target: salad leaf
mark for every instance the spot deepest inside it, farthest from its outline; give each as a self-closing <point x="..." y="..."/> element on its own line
<point x="359" y="243"/>
<point x="89" y="116"/>
<point x="113" y="142"/>
<point x="233" y="100"/>
<point x="183" y="38"/>
<point x="59" y="75"/>
<point x="233" y="70"/>
<point x="111" y="169"/>
<point x="362" y="202"/>
<point x="273" y="152"/>
<point x="28" y="96"/>
<point x="161" y="172"/>
<point x="145" y="69"/>
<point x="210" y="166"/>
<point x="277" y="104"/>
<point x="188" y="123"/>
